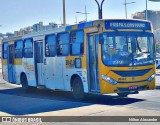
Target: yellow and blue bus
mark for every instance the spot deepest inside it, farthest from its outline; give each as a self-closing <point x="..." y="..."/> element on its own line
<point x="101" y="56"/>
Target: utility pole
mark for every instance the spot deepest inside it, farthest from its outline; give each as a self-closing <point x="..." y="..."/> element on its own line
<point x="146" y="9"/>
<point x="126" y="7"/>
<point x="76" y="20"/>
<point x="64" y="13"/>
<point x="100" y="9"/>
<point x="84" y="13"/>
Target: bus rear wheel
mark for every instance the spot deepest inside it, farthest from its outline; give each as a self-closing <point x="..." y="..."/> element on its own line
<point x="78" y="89"/>
<point x="24" y="83"/>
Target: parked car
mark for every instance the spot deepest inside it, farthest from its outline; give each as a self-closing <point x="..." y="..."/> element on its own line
<point x="157" y="60"/>
<point x="157" y="55"/>
<point x="157" y="63"/>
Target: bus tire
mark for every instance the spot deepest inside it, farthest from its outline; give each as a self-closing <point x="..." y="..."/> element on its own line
<point x="123" y="94"/>
<point x="78" y="89"/>
<point x="24" y="83"/>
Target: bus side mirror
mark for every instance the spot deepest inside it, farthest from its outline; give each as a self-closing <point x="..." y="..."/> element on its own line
<point x="15" y="44"/>
<point x="101" y="39"/>
<point x="24" y="46"/>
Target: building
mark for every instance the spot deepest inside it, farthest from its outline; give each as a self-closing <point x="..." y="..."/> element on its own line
<point x="139" y="15"/>
<point x="157" y="38"/>
<point x="37" y="27"/>
<point x="9" y="35"/>
<point x="28" y="30"/>
<point x="0" y="49"/>
<point x="1" y="35"/>
<point x="50" y="26"/>
<point x="153" y="16"/>
<point x="16" y="33"/>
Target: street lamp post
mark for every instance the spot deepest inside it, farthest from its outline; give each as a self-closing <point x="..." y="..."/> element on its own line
<point x="126" y="6"/>
<point x="100" y="9"/>
<point x="84" y="13"/>
<point x="146" y="9"/>
<point x="64" y="12"/>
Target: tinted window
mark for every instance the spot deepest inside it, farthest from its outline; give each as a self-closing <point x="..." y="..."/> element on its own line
<point x="63" y="44"/>
<point x="77" y="42"/>
<point x="28" y="48"/>
<point x="10" y="54"/>
<point x="128" y="49"/>
<point x="19" y="49"/>
<point x="50" y="46"/>
<point x="5" y="50"/>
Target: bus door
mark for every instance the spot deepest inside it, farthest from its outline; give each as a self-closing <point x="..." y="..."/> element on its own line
<point x="39" y="65"/>
<point x="93" y="61"/>
<point x="11" y="73"/>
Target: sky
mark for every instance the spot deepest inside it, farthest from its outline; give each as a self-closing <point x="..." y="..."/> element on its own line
<point x="16" y="14"/>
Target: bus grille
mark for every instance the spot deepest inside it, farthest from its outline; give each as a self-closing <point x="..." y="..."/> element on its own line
<point x="132" y="73"/>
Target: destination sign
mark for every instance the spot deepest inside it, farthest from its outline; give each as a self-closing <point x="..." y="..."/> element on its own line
<point x="127" y="24"/>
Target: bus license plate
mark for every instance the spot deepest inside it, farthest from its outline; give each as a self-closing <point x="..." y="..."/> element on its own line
<point x="133" y="87"/>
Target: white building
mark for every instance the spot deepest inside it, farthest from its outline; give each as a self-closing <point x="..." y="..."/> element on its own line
<point x="0" y="47"/>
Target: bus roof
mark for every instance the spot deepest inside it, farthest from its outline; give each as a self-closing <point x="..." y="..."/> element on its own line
<point x="74" y="27"/>
<point x="12" y="39"/>
<point x="44" y="32"/>
<point x="99" y="22"/>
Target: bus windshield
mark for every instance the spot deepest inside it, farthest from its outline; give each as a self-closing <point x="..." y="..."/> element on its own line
<point x="128" y="49"/>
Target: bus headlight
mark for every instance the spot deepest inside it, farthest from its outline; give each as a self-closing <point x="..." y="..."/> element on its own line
<point x="151" y="78"/>
<point x="108" y="79"/>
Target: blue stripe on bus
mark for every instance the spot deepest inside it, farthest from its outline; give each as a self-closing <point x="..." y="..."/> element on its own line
<point x="80" y="26"/>
<point x="89" y="24"/>
<point x="68" y="28"/>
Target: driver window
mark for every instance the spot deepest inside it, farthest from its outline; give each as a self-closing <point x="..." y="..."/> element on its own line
<point x="142" y="43"/>
<point x="121" y="44"/>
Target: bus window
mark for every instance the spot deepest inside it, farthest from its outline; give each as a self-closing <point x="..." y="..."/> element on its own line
<point x="50" y="45"/>
<point x="5" y="49"/>
<point x="19" y="49"/>
<point x="63" y="44"/>
<point x="77" y="42"/>
<point x="28" y="48"/>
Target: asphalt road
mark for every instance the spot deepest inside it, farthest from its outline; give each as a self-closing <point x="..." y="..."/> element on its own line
<point x="14" y="101"/>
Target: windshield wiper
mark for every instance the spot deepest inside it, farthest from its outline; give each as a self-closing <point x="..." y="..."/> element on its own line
<point x="146" y="52"/>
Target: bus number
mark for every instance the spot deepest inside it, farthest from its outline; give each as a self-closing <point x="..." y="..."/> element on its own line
<point x="122" y="79"/>
<point x="69" y="62"/>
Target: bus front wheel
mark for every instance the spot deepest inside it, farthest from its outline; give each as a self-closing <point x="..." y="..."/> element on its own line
<point x="78" y="89"/>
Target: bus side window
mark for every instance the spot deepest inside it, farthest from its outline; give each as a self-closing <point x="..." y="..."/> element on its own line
<point x="50" y="45"/>
<point x="18" y="49"/>
<point x="77" y="42"/>
<point x="63" y="44"/>
<point x="28" y="48"/>
<point x="5" y="50"/>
